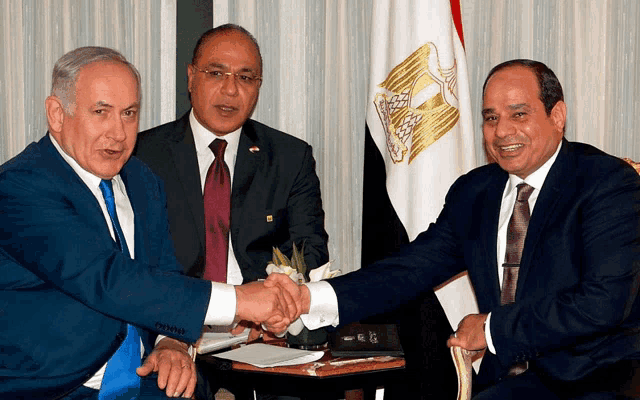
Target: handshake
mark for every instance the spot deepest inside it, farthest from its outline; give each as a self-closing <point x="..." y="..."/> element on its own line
<point x="273" y="303"/>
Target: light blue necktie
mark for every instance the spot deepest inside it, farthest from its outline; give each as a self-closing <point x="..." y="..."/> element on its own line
<point x="120" y="380"/>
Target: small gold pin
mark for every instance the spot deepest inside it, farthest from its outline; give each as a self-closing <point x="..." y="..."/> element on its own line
<point x="269" y="218"/>
<point x="254" y="149"/>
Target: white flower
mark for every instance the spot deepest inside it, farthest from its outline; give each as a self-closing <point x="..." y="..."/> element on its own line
<point x="323" y="272"/>
<point x="287" y="270"/>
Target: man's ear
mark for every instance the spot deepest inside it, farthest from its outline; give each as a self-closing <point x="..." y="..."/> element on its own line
<point x="190" y="77"/>
<point x="55" y="113"/>
<point x="559" y="115"/>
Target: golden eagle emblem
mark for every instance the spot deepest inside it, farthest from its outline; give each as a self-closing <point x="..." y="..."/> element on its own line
<point x="417" y="105"/>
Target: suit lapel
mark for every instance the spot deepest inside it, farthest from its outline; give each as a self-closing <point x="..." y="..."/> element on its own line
<point x="75" y="188"/>
<point x="557" y="181"/>
<point x="247" y="162"/>
<point x="138" y="201"/>
<point x="185" y="160"/>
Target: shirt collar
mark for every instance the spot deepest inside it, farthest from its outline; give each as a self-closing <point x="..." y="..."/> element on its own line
<point x="89" y="179"/>
<point x="203" y="138"/>
<point x="535" y="179"/>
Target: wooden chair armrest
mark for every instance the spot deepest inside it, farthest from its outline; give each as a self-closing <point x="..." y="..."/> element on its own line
<point x="462" y="359"/>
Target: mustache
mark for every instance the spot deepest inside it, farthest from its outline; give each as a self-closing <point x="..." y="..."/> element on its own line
<point x="511" y="140"/>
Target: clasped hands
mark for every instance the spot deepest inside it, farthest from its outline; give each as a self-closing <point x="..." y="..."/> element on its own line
<point x="272" y="304"/>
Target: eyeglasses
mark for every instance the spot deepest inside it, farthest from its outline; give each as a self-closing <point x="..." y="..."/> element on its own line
<point x="243" y="78"/>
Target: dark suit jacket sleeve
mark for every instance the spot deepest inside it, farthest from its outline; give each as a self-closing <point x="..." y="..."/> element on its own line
<point x="598" y="245"/>
<point x="55" y="230"/>
<point x="432" y="258"/>
<point x="306" y="216"/>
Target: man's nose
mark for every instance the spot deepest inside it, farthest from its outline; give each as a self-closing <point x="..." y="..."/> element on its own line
<point x="117" y="131"/>
<point x="230" y="84"/>
<point x="503" y="128"/>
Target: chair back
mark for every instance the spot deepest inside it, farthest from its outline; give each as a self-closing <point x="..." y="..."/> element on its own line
<point x="634" y="164"/>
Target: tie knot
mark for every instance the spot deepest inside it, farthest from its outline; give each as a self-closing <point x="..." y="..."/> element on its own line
<point x="106" y="187"/>
<point x="524" y="192"/>
<point x="218" y="146"/>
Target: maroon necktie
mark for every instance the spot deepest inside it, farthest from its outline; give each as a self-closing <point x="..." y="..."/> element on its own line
<point x="516" y="233"/>
<point x="217" y="215"/>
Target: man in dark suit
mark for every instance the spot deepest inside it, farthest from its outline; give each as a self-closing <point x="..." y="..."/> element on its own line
<point x="573" y="323"/>
<point x="275" y="194"/>
<point x="86" y="259"/>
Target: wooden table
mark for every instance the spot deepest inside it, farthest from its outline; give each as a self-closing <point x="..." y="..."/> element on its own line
<point x="327" y="378"/>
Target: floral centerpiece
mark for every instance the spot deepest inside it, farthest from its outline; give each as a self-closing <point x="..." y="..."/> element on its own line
<point x="296" y="268"/>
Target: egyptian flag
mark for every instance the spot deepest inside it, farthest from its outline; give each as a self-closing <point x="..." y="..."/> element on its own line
<point x="419" y="138"/>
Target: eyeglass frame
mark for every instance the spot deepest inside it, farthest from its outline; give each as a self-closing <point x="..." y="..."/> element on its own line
<point x="257" y="78"/>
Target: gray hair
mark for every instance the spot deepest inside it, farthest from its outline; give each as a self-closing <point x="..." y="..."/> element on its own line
<point x="67" y="68"/>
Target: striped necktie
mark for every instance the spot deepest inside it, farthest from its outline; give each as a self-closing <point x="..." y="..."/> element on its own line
<point x="516" y="233"/>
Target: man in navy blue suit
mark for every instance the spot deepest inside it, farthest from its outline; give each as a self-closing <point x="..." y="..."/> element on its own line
<point x="86" y="254"/>
<point x="572" y="329"/>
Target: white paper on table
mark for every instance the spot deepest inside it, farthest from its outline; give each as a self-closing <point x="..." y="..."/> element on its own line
<point x="212" y="341"/>
<point x="265" y="355"/>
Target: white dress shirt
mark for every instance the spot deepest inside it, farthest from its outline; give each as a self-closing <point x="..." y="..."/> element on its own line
<point x="222" y="303"/>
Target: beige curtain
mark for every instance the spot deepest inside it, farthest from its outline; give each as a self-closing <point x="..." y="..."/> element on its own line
<point x="35" y="33"/>
<point x="315" y="76"/>
<point x="316" y="56"/>
<point x="592" y="45"/>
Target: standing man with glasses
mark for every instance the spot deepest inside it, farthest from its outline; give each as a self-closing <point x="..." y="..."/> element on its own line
<point x="235" y="188"/>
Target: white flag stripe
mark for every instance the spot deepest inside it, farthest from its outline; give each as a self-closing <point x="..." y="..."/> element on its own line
<point x="417" y="190"/>
<point x="419" y="115"/>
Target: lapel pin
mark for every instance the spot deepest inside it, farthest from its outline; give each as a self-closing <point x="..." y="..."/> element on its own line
<point x="254" y="149"/>
<point x="269" y="218"/>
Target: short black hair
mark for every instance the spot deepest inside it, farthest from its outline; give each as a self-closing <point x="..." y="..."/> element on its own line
<point x="226" y="28"/>
<point x="548" y="83"/>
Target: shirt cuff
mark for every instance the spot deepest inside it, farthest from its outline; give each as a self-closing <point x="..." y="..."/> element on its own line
<point x="487" y="334"/>
<point x="222" y="305"/>
<point x="158" y="339"/>
<point x="323" y="307"/>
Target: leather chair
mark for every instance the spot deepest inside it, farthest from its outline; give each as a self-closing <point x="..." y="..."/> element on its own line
<point x="462" y="358"/>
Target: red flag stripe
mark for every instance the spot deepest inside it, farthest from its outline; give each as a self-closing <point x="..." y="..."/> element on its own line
<point x="457" y="18"/>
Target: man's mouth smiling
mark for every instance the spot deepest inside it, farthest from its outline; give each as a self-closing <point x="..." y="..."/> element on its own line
<point x="511" y="147"/>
